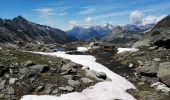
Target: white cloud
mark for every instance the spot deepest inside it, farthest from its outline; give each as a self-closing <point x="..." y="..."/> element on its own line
<point x="72" y="23"/>
<point x="87" y="11"/>
<point x="63" y="13"/>
<point x="46" y="11"/>
<point x="136" y="17"/>
<point x="88" y="19"/>
<point x="152" y="19"/>
<point x="110" y="15"/>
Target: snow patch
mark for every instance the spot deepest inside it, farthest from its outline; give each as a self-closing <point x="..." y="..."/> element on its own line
<point x="121" y="50"/>
<point x="82" y="49"/>
<point x="116" y="89"/>
<point x="161" y="86"/>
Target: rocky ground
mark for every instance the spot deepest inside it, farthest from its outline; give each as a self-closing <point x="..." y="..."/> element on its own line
<point x="23" y="73"/>
<point x="26" y="73"/>
<point x="151" y="73"/>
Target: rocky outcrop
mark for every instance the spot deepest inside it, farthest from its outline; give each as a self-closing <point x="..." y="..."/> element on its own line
<point x="164" y="72"/>
<point x="158" y="36"/>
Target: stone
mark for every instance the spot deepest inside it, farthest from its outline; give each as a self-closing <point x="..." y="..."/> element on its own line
<point x="69" y="88"/>
<point x="68" y="69"/>
<point x="48" y="91"/>
<point x="12" y="80"/>
<point x="29" y="63"/>
<point x="40" y="68"/>
<point x="2" y="84"/>
<point x="2" y="95"/>
<point x="102" y="75"/>
<point x="55" y="91"/>
<point x="157" y="60"/>
<point x="153" y="48"/>
<point x="73" y="83"/>
<point x="10" y="90"/>
<point x="148" y="68"/>
<point x="24" y="70"/>
<point x="66" y="89"/>
<point x="86" y="80"/>
<point x="141" y="83"/>
<point x="91" y="74"/>
<point x="164" y="72"/>
<point x="69" y="77"/>
<point x="40" y="88"/>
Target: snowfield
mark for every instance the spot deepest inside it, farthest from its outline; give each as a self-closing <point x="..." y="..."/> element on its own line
<point x="82" y="49"/>
<point x="116" y="89"/>
<point x="121" y="50"/>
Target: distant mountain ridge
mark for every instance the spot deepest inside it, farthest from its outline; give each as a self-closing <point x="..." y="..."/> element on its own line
<point x="87" y="32"/>
<point x="111" y="33"/>
<point x="20" y="29"/>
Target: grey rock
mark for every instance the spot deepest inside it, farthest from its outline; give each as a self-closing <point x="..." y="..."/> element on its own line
<point x="141" y="83"/>
<point x="48" y="91"/>
<point x="40" y="88"/>
<point x="69" y="77"/>
<point x="66" y="88"/>
<point x="55" y="91"/>
<point x="40" y="68"/>
<point x="164" y="72"/>
<point x="68" y="69"/>
<point x="153" y="48"/>
<point x="2" y="84"/>
<point x="86" y="80"/>
<point x="24" y="70"/>
<point x="157" y="59"/>
<point x="91" y="73"/>
<point x="148" y="68"/>
<point x="2" y="95"/>
<point x="12" y="80"/>
<point x="10" y="90"/>
<point x="73" y="83"/>
<point x="29" y="63"/>
<point x="102" y="75"/>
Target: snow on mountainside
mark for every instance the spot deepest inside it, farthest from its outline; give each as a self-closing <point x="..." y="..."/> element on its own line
<point x="87" y="32"/>
<point x="99" y="31"/>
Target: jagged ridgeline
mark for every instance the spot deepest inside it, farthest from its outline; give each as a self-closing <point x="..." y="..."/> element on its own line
<point x="20" y="29"/>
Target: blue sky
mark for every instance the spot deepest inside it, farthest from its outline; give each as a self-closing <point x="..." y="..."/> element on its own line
<point x="64" y="14"/>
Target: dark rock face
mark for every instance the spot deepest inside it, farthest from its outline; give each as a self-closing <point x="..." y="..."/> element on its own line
<point x="20" y="29"/>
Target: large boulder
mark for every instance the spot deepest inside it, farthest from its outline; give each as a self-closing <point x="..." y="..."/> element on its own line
<point x="164" y="72"/>
<point x="148" y="68"/>
<point x="69" y="68"/>
<point x="40" y="68"/>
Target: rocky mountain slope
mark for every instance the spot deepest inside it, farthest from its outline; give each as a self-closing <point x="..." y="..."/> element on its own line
<point x="110" y="33"/>
<point x="159" y="36"/>
<point x="20" y="29"/>
<point x="127" y="34"/>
